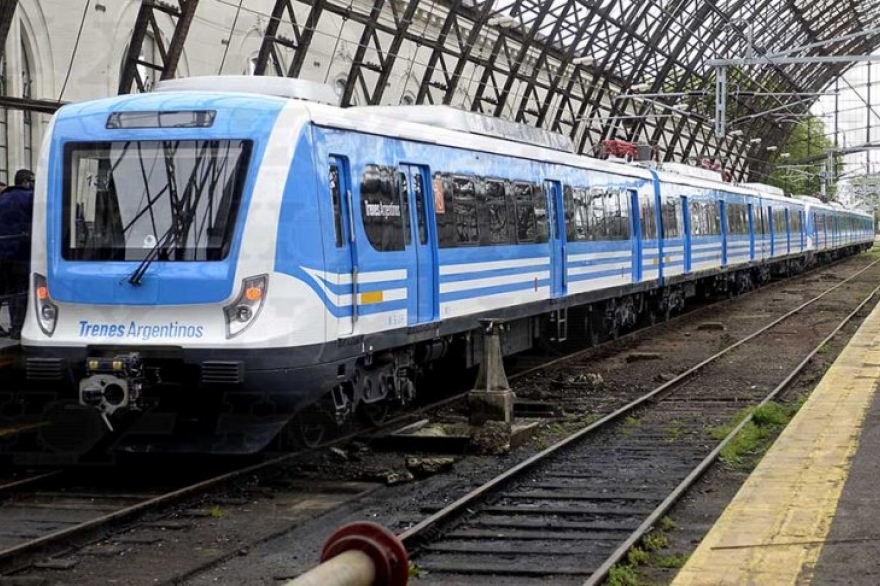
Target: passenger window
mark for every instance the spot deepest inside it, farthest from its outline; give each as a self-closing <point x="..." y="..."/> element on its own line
<point x="671" y="207"/>
<point x="381" y="209"/>
<point x="336" y="198"/>
<point x="526" y="221"/>
<point x="648" y="217"/>
<point x="464" y="210"/>
<point x="542" y="218"/>
<point x="496" y="209"/>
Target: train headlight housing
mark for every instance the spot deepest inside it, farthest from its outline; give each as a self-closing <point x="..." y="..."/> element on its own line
<point x="47" y="312"/>
<point x="241" y="313"/>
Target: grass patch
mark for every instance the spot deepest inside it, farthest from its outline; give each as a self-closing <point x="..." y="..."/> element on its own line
<point x="637" y="556"/>
<point x="655" y="540"/>
<point x="823" y="349"/>
<point x="674" y="432"/>
<point x="666" y="524"/>
<point x="629" y="425"/>
<point x="622" y="576"/>
<point x="671" y="561"/>
<point x="754" y="439"/>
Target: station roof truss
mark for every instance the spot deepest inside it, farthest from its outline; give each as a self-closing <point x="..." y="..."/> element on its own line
<point x="636" y="70"/>
<point x="591" y="69"/>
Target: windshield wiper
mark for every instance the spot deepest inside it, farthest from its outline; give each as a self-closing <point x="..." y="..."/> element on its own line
<point x="168" y="238"/>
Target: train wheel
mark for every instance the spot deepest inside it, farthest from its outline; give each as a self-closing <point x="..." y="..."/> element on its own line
<point x="373" y="414"/>
<point x="308" y="429"/>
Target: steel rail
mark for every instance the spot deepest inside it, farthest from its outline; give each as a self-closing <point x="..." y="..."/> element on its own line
<point x="7" y="556"/>
<point x="29" y="480"/>
<point x="680" y="490"/>
<point x="412" y="536"/>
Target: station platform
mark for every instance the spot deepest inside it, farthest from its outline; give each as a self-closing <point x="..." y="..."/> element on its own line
<point x="809" y="512"/>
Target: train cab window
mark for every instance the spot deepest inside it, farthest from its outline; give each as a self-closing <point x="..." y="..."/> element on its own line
<point x="496" y="210"/>
<point x="670" y="215"/>
<point x="464" y="211"/>
<point x="381" y="208"/>
<point x="119" y="198"/>
<point x="526" y="217"/>
<point x="336" y="198"/>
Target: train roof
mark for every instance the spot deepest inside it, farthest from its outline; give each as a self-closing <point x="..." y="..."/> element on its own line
<point x="429" y="124"/>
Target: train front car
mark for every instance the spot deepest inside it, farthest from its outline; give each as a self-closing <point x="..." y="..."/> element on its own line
<point x="155" y="308"/>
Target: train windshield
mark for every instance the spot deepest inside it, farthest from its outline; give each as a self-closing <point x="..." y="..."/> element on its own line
<point x="121" y="199"/>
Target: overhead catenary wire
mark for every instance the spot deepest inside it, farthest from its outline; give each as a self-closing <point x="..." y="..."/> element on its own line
<point x="82" y="23"/>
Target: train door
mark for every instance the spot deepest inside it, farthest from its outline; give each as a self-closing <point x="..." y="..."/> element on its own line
<point x="636" y="234"/>
<point x="771" y="222"/>
<point x="423" y="295"/>
<point x="686" y="215"/>
<point x="341" y="260"/>
<point x="722" y="215"/>
<point x="556" y="220"/>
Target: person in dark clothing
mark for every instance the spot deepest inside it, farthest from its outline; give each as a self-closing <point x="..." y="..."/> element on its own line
<point x="16" y="213"/>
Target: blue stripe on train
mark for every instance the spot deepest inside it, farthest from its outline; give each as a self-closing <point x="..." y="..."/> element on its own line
<point x="492" y="290"/>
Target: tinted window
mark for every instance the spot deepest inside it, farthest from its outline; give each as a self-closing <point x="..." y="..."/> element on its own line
<point x="737" y="219"/>
<point x="381" y="208"/>
<point x="403" y="198"/>
<point x="671" y="209"/>
<point x="648" y="216"/>
<point x="496" y="212"/>
<point x="464" y="210"/>
<point x="336" y="197"/>
<point x="419" y="194"/>
<point x="526" y="219"/>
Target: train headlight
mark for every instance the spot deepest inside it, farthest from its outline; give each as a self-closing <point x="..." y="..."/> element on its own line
<point x="47" y="312"/>
<point x="245" y="309"/>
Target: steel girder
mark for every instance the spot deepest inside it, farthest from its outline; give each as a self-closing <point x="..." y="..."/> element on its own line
<point x="181" y="13"/>
<point x="527" y="68"/>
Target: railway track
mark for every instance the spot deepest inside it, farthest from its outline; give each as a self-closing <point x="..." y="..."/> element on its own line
<point x="80" y="518"/>
<point x="572" y="511"/>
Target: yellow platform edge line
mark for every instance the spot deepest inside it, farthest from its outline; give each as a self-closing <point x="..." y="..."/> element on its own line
<point x="773" y="530"/>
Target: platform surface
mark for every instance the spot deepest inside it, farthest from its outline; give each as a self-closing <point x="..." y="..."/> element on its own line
<point x="810" y="512"/>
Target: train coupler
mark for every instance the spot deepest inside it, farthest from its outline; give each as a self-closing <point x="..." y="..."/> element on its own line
<point x="112" y="384"/>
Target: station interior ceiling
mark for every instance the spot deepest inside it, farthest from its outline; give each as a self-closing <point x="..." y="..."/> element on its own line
<point x="634" y="70"/>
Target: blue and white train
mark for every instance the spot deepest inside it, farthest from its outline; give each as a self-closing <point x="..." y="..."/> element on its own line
<point x="211" y="258"/>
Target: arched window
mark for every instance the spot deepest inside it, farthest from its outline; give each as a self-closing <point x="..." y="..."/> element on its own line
<point x="27" y="92"/>
<point x="148" y="55"/>
<point x="4" y="124"/>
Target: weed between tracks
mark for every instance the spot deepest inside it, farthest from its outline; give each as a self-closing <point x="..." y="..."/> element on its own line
<point x="646" y="552"/>
<point x="753" y="440"/>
